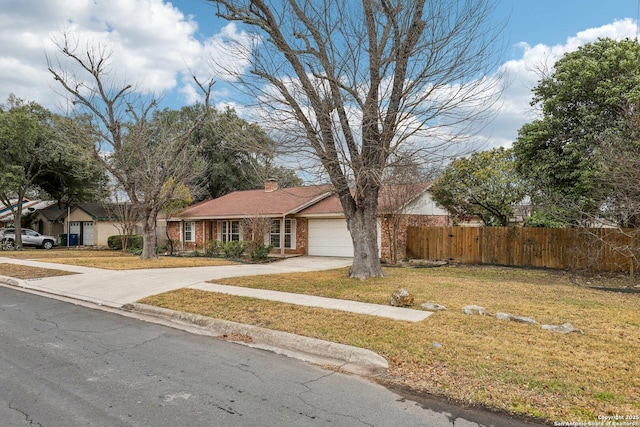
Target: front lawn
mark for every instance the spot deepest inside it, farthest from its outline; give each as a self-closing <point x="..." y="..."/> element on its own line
<point x="111" y="260"/>
<point x="480" y="360"/>
<point x="25" y="272"/>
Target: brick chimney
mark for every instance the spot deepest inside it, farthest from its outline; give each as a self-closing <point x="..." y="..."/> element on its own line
<point x="270" y="186"/>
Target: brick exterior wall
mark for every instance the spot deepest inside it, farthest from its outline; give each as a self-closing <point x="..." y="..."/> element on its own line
<point x="210" y="232"/>
<point x="173" y="228"/>
<point x="406" y="221"/>
<point x="302" y="227"/>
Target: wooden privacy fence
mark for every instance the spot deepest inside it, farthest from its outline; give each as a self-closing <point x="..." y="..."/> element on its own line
<point x="602" y="249"/>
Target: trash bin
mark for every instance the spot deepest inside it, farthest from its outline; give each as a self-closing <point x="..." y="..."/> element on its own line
<point x="73" y="240"/>
<point x="63" y="239"/>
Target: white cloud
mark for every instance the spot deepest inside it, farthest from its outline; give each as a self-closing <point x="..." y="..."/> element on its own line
<point x="152" y="43"/>
<point x="155" y="46"/>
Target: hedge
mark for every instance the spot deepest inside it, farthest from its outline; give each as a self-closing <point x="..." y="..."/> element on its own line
<point x="115" y="242"/>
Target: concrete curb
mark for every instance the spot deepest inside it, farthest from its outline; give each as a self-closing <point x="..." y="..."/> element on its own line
<point x="351" y="359"/>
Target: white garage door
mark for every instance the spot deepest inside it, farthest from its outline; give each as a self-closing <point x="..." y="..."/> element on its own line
<point x="85" y="229"/>
<point x="74" y="228"/>
<point x="87" y="233"/>
<point x="329" y="237"/>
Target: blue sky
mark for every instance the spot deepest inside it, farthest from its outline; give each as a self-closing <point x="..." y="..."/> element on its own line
<point x="154" y="41"/>
<point x="551" y="22"/>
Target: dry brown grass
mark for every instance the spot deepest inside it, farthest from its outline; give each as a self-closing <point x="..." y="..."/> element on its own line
<point x="111" y="260"/>
<point x="24" y="272"/>
<point x="41" y="254"/>
<point x="509" y="366"/>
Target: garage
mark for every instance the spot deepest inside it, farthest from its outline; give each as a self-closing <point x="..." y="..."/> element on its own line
<point x="87" y="233"/>
<point x="84" y="231"/>
<point x="329" y="237"/>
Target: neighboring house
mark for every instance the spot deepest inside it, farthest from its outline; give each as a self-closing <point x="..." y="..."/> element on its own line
<point x="91" y="222"/>
<point x="28" y="206"/>
<point x="50" y="220"/>
<point x="305" y="220"/>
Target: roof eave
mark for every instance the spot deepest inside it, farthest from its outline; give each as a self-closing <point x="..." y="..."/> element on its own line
<point x="308" y="203"/>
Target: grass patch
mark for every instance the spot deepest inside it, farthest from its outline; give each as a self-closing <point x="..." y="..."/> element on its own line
<point x="25" y="272"/>
<point x="111" y="260"/>
<point x="509" y="366"/>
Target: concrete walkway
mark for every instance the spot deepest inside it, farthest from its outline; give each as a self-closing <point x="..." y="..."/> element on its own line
<point x="117" y="288"/>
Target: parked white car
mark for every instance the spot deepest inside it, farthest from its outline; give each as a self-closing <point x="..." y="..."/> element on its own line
<point x="29" y="238"/>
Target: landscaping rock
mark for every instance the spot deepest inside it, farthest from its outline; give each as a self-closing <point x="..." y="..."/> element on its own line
<point x="511" y="317"/>
<point x="433" y="306"/>
<point x="562" y="329"/>
<point x="402" y="298"/>
<point x="475" y="309"/>
<point x="422" y="263"/>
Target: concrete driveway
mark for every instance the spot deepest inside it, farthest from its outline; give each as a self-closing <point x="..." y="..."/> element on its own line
<point x="116" y="288"/>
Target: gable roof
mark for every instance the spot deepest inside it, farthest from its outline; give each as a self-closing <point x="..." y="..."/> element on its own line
<point x="95" y="210"/>
<point x="53" y="213"/>
<point x="241" y="204"/>
<point x="100" y="212"/>
<point x="389" y="197"/>
<point x="305" y="201"/>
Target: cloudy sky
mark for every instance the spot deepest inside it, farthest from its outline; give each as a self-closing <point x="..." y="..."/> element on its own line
<point x="156" y="41"/>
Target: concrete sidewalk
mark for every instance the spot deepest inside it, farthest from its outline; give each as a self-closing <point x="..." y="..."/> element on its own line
<point x="118" y="288"/>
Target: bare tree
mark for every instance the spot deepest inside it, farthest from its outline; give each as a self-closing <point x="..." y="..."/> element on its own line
<point x="614" y="226"/>
<point x="142" y="147"/>
<point x="179" y="201"/>
<point x="122" y="213"/>
<point x="353" y="82"/>
<point x="403" y="183"/>
<point x="618" y="192"/>
<point x="254" y="229"/>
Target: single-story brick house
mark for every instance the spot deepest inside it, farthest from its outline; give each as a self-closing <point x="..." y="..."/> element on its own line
<point x="304" y="220"/>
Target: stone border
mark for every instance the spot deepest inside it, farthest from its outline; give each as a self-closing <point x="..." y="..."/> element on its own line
<point x="562" y="329"/>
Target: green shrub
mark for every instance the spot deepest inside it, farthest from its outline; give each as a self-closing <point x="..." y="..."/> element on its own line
<point x="214" y="248"/>
<point x="541" y="219"/>
<point x="136" y="241"/>
<point x="263" y="251"/>
<point x="115" y="242"/>
<point x="233" y="249"/>
<point x="257" y="250"/>
<point x="193" y="254"/>
<point x="135" y="251"/>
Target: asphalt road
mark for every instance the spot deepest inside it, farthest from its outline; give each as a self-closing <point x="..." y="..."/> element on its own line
<point x="66" y="365"/>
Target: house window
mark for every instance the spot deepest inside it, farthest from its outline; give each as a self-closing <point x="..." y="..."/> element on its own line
<point x="229" y="231"/>
<point x="189" y="235"/>
<point x="289" y="232"/>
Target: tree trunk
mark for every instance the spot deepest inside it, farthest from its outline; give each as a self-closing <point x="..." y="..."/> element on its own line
<point x="363" y="225"/>
<point x="17" y="223"/>
<point x="169" y="239"/>
<point x="149" y="239"/>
